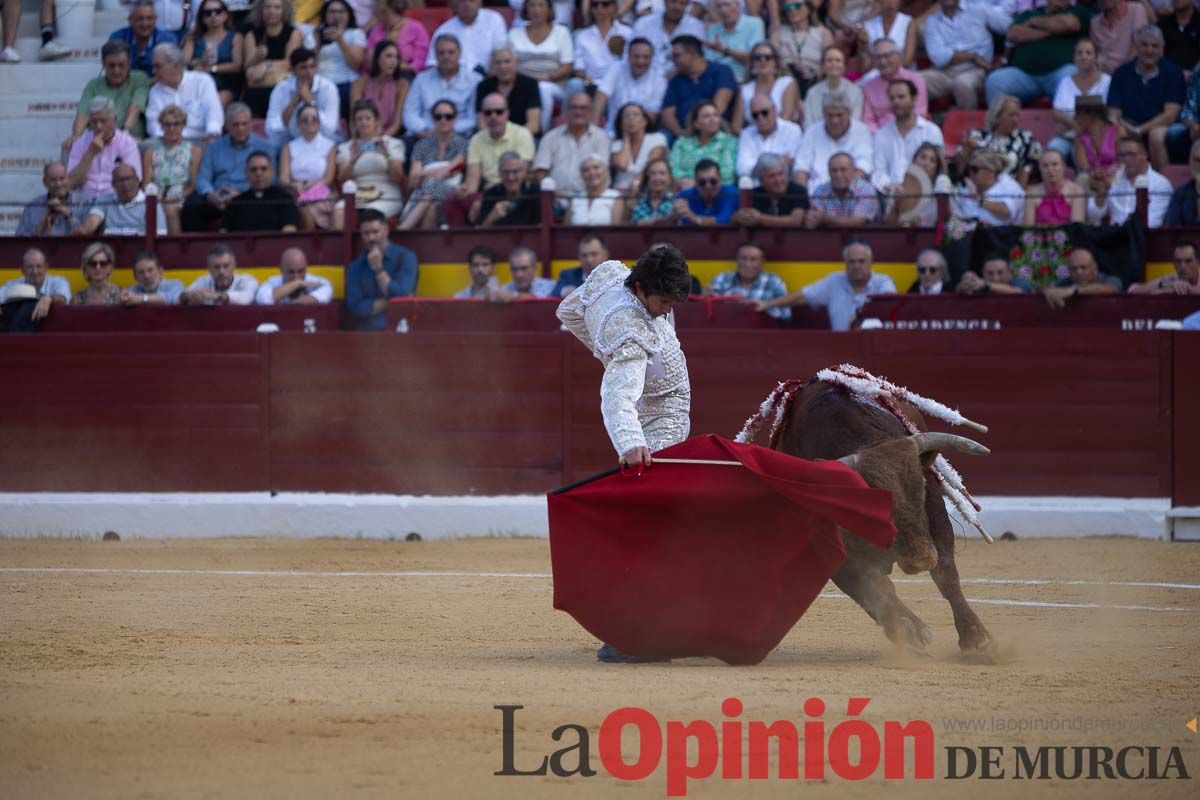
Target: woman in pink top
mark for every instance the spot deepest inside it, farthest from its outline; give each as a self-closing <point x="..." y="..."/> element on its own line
<point x="409" y="35"/>
<point x="1056" y="200"/>
<point x="1096" y="143"/>
<point x="385" y="86"/>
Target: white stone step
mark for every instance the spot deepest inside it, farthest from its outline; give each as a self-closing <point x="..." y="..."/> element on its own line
<point x="47" y="79"/>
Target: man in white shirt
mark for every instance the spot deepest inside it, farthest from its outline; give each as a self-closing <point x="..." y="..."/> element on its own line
<point x="660" y="29"/>
<point x="194" y="92"/>
<point x="961" y="48"/>
<point x="837" y="134"/>
<point x="563" y="149"/>
<point x="222" y="285"/>
<point x="768" y="134"/>
<point x="303" y="87"/>
<point x="843" y="294"/>
<point x="897" y="141"/>
<point x="293" y="284"/>
<point x="478" y="31"/>
<point x="1115" y="198"/>
<point x="635" y="81"/>
<point x="123" y="212"/>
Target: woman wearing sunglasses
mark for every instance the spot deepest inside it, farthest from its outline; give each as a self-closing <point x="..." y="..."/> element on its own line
<point x="767" y="77"/>
<point x="436" y="168"/>
<point x="800" y="41"/>
<point x="97" y="264"/>
<point x="213" y="46"/>
<point x="307" y="168"/>
<point x="989" y="195"/>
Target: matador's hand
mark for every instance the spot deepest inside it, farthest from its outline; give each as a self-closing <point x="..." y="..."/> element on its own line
<point x="636" y="456"/>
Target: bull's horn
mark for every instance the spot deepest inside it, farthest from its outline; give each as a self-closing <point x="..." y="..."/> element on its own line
<point x="850" y="461"/>
<point x="938" y="441"/>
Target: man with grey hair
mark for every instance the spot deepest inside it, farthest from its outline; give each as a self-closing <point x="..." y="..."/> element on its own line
<point x="523" y="264"/>
<point x="877" y="108"/>
<point x="222" y="174"/>
<point x="520" y="92"/>
<point x="477" y="30"/>
<point x="143" y="35"/>
<point x="194" y="92"/>
<point x="1147" y="94"/>
<point x="777" y="202"/>
<point x="838" y="133"/>
<point x="128" y="89"/>
<point x="450" y="80"/>
<point x="512" y="201"/>
<point x="99" y="150"/>
<point x="223" y="285"/>
<point x="842" y="293"/>
<point x="562" y="150"/>
<point x="933" y="274"/>
<point x="57" y="212"/>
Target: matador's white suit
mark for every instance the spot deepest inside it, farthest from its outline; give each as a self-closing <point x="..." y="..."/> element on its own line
<point x="645" y="395"/>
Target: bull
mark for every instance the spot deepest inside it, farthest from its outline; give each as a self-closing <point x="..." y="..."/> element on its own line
<point x="824" y="421"/>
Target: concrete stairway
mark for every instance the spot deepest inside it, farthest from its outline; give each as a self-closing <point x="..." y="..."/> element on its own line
<point x="37" y="105"/>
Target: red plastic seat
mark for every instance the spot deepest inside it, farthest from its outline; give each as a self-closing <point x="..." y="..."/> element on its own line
<point x="1177" y="174"/>
<point x="956" y="125"/>
<point x="1039" y="122"/>
<point x="431" y="18"/>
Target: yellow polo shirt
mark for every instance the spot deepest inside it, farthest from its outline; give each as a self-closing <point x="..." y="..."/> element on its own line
<point x="486" y="151"/>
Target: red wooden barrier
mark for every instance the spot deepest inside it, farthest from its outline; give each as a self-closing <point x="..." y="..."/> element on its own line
<point x="1083" y="412"/>
<point x="959" y="312"/>
<point x="159" y="319"/>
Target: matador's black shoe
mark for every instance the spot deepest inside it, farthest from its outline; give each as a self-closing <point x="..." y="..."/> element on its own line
<point x="611" y="655"/>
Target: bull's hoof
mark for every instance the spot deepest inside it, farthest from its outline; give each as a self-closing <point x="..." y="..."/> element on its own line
<point x="909" y="632"/>
<point x="611" y="655"/>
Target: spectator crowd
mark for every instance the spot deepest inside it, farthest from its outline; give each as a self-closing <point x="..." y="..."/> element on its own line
<point x="652" y="113"/>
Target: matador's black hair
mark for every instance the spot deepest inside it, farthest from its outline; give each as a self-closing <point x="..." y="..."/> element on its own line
<point x="661" y="270"/>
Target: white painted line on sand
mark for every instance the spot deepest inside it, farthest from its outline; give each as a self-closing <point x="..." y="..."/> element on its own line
<point x="546" y="575"/>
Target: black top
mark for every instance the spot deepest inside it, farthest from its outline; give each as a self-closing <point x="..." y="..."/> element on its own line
<point x="527" y="207"/>
<point x="1181" y="46"/>
<point x="523" y="97"/>
<point x="276" y="45"/>
<point x="268" y="211"/>
<point x="795" y="197"/>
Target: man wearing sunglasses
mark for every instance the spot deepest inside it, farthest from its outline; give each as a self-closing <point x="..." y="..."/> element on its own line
<point x="768" y="134"/>
<point x="498" y="135"/>
<point x="710" y="201"/>
<point x="933" y="275"/>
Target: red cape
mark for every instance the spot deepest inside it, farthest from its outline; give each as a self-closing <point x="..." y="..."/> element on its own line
<point x="707" y="560"/>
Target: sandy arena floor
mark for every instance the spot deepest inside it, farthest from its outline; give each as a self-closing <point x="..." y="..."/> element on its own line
<point x="200" y="683"/>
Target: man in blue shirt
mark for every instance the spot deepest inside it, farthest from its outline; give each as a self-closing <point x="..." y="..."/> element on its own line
<point x="592" y="253"/>
<point x="710" y="201"/>
<point x="1147" y="94"/>
<point x="222" y="174"/>
<point x="843" y="294"/>
<point x="382" y="272"/>
<point x="695" y="79"/>
<point x="143" y="35"/>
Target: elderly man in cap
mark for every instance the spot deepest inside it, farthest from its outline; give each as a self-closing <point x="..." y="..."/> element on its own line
<point x="49" y="289"/>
